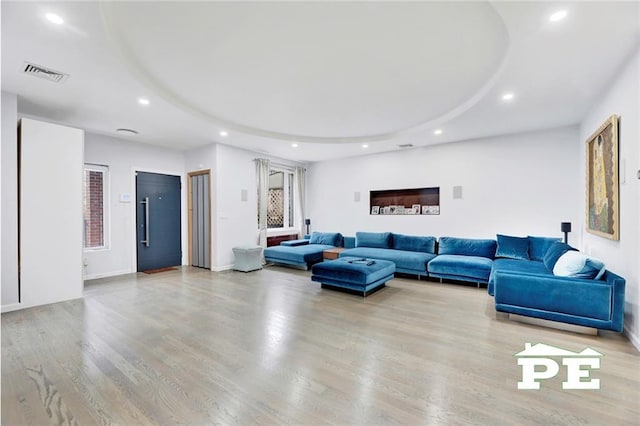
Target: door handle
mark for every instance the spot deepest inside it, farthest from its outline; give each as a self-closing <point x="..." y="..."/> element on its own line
<point x="146" y="203"/>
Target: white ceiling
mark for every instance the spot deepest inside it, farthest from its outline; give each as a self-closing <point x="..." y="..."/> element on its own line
<point x="329" y="76"/>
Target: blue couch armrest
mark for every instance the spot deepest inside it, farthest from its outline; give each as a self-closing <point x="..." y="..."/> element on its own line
<point x="349" y="242"/>
<point x="591" y="303"/>
<point x="295" y="243"/>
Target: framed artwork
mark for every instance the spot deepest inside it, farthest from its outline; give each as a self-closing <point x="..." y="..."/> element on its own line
<point x="416" y="208"/>
<point x="375" y="209"/>
<point x="603" y="203"/>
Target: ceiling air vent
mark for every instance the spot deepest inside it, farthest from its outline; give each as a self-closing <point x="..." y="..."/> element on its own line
<point x="405" y="145"/>
<point x="46" y="73"/>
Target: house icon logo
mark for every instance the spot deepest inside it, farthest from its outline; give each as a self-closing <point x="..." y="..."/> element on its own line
<point x="578" y="365"/>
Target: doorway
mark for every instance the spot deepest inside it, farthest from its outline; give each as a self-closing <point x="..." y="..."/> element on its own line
<point x="158" y="232"/>
<point x="199" y="204"/>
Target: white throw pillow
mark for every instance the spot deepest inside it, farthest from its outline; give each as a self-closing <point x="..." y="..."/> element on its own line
<point x="579" y="265"/>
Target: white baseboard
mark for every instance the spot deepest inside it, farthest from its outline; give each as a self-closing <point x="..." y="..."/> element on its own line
<point x="108" y="274"/>
<point x="12" y="307"/>
<point x="633" y="338"/>
<point x="222" y="268"/>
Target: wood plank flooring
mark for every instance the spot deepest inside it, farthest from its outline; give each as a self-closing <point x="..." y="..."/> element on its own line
<point x="271" y="347"/>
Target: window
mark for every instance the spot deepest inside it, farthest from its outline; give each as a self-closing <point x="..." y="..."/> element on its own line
<point x="95" y="203"/>
<point x="280" y="209"/>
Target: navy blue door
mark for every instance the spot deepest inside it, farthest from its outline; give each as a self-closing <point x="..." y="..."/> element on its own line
<point x="158" y="221"/>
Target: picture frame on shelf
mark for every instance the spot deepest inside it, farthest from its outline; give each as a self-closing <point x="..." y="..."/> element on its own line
<point x="375" y="209"/>
<point x="386" y="210"/>
<point x="430" y="210"/>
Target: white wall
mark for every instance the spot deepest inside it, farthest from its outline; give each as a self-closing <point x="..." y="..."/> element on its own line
<point x="51" y="168"/>
<point x="9" y="221"/>
<point x="622" y="257"/>
<point x="523" y="184"/>
<point x="123" y="158"/>
<point x="236" y="221"/>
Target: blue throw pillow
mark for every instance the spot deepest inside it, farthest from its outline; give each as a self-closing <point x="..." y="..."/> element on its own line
<point x="467" y="247"/>
<point x="578" y="265"/>
<point x="414" y="243"/>
<point x="512" y="247"/>
<point x="327" y="238"/>
<point x="553" y="254"/>
<point x="538" y="246"/>
<point x="373" y="239"/>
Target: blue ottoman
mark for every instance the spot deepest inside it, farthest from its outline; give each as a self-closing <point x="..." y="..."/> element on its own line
<point x="353" y="274"/>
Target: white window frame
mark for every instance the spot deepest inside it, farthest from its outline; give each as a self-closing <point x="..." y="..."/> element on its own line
<point x="287" y="203"/>
<point x="106" y="184"/>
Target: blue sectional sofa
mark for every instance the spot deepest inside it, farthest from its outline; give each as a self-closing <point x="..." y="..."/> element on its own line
<point x="538" y="277"/>
<point x="409" y="253"/>
<point x="303" y="253"/>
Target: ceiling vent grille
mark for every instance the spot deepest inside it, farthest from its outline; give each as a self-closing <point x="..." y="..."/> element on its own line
<point x="405" y="145"/>
<point x="46" y="73"/>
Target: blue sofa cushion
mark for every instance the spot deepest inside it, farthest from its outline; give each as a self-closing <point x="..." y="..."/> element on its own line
<point x="299" y="254"/>
<point x="538" y="246"/>
<point x="556" y="250"/>
<point x="328" y="238"/>
<point x="373" y="239"/>
<point x="474" y="268"/>
<point x="514" y="265"/>
<point x="405" y="261"/>
<point x="467" y="247"/>
<point x="512" y="247"/>
<point x="414" y="243"/>
<point x="578" y="265"/>
<point x="349" y="242"/>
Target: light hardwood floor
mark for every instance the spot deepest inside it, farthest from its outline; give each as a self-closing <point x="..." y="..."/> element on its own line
<point x="272" y="347"/>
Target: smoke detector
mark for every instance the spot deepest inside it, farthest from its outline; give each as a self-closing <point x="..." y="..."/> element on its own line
<point x="127" y="131"/>
<point x="45" y="73"/>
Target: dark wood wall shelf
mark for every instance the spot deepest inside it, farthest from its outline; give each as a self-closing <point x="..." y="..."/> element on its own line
<point x="413" y="201"/>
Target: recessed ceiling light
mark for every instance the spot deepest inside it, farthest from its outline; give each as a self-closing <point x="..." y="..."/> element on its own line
<point x="143" y="101"/>
<point x="223" y="133"/>
<point x="437" y="132"/>
<point x="52" y="17"/>
<point x="364" y="145"/>
<point x="558" y="16"/>
<point x="127" y="131"/>
<point x="508" y="96"/>
<point x="295" y="145"/>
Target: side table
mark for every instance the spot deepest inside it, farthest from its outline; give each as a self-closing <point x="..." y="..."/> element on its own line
<point x="332" y="254"/>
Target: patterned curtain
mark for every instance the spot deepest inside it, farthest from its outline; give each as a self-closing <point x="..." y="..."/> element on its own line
<point x="262" y="174"/>
<point x="299" y="185"/>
